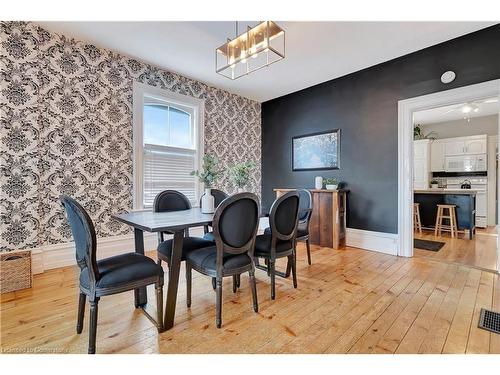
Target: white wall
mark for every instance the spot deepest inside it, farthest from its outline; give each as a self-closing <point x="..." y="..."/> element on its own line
<point x="492" y="179"/>
<point x="461" y="128"/>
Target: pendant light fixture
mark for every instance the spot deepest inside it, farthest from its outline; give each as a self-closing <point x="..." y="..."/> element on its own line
<point x="256" y="48"/>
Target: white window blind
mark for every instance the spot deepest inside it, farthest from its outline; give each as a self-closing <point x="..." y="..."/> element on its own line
<point x="168" y="142"/>
<point x="168" y="168"/>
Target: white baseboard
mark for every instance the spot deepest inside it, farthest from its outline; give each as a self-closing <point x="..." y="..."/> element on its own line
<point x="386" y="243"/>
<point x="63" y="254"/>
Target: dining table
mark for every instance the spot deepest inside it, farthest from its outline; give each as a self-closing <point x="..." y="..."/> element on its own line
<point x="175" y="223"/>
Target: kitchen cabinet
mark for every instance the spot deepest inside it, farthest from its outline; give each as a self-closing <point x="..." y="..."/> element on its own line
<point x="421" y="163"/>
<point x="476" y="144"/>
<point x="454" y="147"/>
<point x="437" y="156"/>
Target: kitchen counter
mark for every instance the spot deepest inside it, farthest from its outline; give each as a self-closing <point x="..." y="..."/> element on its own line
<point x="446" y="191"/>
<point x="463" y="199"/>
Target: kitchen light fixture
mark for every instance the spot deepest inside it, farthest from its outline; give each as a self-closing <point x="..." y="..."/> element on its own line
<point x="256" y="48"/>
<point x="470" y="107"/>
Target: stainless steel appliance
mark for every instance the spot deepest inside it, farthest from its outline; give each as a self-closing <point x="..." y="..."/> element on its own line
<point x="480" y="184"/>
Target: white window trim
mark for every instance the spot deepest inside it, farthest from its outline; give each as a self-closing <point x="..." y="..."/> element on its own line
<point x="198" y="107"/>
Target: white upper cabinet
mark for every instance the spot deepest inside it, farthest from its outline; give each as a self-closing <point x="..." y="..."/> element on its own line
<point x="421" y="163"/>
<point x="476" y="144"/>
<point x="437" y="156"/>
<point x="454" y="147"/>
<point x="420" y="148"/>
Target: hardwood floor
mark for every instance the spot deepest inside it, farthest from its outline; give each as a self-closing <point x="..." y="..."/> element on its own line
<point x="480" y="252"/>
<point x="348" y="301"/>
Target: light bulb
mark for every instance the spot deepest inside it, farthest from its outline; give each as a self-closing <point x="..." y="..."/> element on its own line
<point x="466" y="109"/>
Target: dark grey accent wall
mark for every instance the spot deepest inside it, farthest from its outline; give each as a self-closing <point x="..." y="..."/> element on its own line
<point x="364" y="105"/>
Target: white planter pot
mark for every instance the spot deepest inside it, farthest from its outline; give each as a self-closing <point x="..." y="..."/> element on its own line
<point x="207" y="202"/>
<point x="318" y="183"/>
<point x="332" y="187"/>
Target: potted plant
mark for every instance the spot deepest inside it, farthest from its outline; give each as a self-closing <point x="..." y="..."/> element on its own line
<point x="331" y="183"/>
<point x="419" y="134"/>
<point x="240" y="174"/>
<point x="208" y="175"/>
<point x="434" y="183"/>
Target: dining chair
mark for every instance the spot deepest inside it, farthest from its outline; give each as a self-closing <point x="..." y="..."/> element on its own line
<point x="281" y="241"/>
<point x="219" y="196"/>
<point x="235" y="225"/>
<point x="305" y="212"/>
<point x="168" y="201"/>
<point x="107" y="276"/>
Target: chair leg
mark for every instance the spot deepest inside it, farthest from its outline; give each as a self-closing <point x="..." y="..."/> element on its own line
<point x="308" y="252"/>
<point x="254" y="291"/>
<point x="81" y="312"/>
<point x="272" y="271"/>
<point x="218" y="303"/>
<point x="437" y="225"/>
<point x="235" y="283"/>
<point x="158" y="262"/>
<point x="93" y="324"/>
<point x="288" y="268"/>
<point x="159" y="306"/>
<point x="214" y="283"/>
<point x="238" y="280"/>
<point x="294" y="269"/>
<point x="188" y="284"/>
<point x="455" y="221"/>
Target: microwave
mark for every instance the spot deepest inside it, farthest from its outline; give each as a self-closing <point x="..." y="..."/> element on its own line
<point x="465" y="163"/>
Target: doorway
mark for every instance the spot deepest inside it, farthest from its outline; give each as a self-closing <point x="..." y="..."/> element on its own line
<point x="407" y="110"/>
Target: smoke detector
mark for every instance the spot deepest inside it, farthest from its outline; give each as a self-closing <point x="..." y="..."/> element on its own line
<point x="448" y="76"/>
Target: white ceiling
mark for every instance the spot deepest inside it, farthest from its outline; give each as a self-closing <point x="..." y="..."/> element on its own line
<point x="454" y="112"/>
<point x="315" y="51"/>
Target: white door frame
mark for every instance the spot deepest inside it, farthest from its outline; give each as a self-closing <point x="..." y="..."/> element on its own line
<point x="406" y="108"/>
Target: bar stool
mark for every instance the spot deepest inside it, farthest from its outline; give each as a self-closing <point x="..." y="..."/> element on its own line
<point x="417" y="224"/>
<point x="452" y="217"/>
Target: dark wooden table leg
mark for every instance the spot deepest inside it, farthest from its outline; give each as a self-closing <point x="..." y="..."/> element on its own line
<point x="173" y="279"/>
<point x="140" y="295"/>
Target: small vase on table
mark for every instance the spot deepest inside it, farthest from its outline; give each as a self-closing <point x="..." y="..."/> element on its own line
<point x="207" y="202"/>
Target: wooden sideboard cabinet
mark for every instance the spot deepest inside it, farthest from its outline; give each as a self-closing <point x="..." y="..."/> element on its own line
<point x="328" y="219"/>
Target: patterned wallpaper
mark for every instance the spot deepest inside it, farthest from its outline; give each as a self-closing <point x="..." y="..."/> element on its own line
<point x="66" y="127"/>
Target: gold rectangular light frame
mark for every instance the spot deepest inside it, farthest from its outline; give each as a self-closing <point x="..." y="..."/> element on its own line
<point x="254" y="49"/>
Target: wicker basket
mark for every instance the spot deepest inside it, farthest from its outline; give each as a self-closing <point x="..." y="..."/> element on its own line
<point x="15" y="271"/>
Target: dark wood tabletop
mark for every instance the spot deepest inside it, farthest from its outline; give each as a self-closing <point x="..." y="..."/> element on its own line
<point x="150" y="221"/>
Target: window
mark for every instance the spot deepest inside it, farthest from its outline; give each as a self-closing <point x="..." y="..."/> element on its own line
<point x="167" y="141"/>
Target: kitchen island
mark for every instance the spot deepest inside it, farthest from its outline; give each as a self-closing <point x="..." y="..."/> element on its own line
<point x="463" y="199"/>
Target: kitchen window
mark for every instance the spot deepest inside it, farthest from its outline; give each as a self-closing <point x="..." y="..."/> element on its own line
<point x="167" y="144"/>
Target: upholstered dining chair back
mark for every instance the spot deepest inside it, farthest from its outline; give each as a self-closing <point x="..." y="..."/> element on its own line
<point x="84" y="235"/>
<point x="235" y="224"/>
<point x="171" y="200"/>
<point x="305" y="205"/>
<point x="283" y="218"/>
